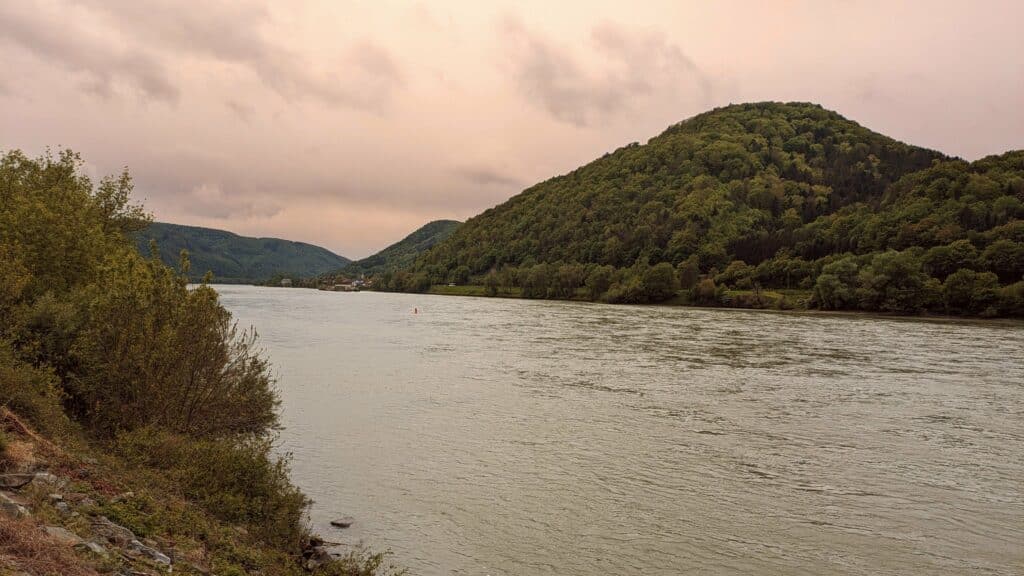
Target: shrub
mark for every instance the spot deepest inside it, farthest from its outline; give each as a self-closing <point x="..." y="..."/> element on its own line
<point x="236" y="479"/>
<point x="706" y="293"/>
<point x="157" y="353"/>
<point x="31" y="392"/>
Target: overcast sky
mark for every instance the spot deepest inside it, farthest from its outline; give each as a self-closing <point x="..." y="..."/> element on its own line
<point x="349" y="124"/>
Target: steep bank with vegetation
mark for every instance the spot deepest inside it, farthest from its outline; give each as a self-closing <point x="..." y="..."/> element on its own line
<point x="116" y="378"/>
<point x="750" y="199"/>
<point x="236" y="259"/>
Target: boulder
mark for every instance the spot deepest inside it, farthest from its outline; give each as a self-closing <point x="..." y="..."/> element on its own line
<point x="317" y="557"/>
<point x="149" y="552"/>
<point x="114" y="533"/>
<point x="343" y="522"/>
<point x="94" y="547"/>
<point x="63" y="534"/>
<point x="11" y="509"/>
<point x="15" y="481"/>
<point x="47" y="479"/>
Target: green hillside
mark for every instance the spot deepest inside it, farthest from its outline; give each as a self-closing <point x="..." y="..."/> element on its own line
<point x="403" y="253"/>
<point x="234" y="258"/>
<point x="750" y="197"/>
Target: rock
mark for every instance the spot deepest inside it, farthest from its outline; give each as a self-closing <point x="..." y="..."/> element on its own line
<point x="94" y="547"/>
<point x="318" y="556"/>
<point x="63" y="534"/>
<point x="54" y="498"/>
<point x="122" y="497"/>
<point x="47" y="479"/>
<point x="343" y="522"/>
<point x="112" y="532"/>
<point x="63" y="507"/>
<point x="12" y="509"/>
<point x="151" y="553"/>
<point x="15" y="481"/>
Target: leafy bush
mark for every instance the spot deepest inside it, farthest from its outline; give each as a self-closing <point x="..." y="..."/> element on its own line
<point x="237" y="479"/>
<point x="155" y="352"/>
<point x="31" y="392"/>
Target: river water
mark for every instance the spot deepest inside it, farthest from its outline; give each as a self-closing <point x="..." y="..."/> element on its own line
<point x="501" y="437"/>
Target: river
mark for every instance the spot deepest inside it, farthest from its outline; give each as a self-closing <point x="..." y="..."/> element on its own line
<point x="516" y="437"/>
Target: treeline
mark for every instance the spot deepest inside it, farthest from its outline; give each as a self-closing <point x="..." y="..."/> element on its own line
<point x="100" y="343"/>
<point x="908" y="282"/>
<point x="758" y="197"/>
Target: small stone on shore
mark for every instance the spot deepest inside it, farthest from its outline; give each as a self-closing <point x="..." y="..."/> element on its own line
<point x="343" y="522"/>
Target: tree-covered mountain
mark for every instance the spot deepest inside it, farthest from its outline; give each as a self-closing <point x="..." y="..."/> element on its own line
<point x="403" y="253"/>
<point x="234" y="258"/>
<point x="752" y="196"/>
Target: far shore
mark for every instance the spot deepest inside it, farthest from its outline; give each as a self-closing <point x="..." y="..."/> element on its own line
<point x="475" y="291"/>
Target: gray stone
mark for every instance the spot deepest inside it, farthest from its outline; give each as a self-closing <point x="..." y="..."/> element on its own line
<point x="94" y="547"/>
<point x="47" y="479"/>
<point x="63" y="507"/>
<point x="151" y="553"/>
<point x="318" y="556"/>
<point x="343" y="522"/>
<point x="15" y="481"/>
<point x="54" y="498"/>
<point x="63" y="534"/>
<point x="12" y="509"/>
<point x="112" y="532"/>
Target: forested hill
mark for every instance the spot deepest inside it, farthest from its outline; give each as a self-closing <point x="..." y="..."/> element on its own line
<point x="234" y="258"/>
<point x="749" y="196"/>
<point x="403" y="253"/>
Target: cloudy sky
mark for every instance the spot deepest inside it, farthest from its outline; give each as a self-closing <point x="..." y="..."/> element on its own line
<point x="349" y="124"/>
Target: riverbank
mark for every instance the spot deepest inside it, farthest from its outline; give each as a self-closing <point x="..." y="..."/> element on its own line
<point x="793" y="301"/>
<point x="69" y="507"/>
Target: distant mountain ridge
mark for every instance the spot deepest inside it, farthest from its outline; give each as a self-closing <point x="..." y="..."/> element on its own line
<point x="237" y="259"/>
<point x="403" y="253"/>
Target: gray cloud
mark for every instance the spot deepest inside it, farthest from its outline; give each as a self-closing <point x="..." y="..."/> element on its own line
<point x="487" y="176"/>
<point x="635" y="67"/>
<point x="210" y="201"/>
<point x="365" y="76"/>
<point x="103" y="68"/>
<point x="350" y="123"/>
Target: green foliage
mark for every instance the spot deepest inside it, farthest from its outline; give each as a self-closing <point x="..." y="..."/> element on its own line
<point x="234" y="258"/>
<point x="599" y="281"/>
<point x="969" y="292"/>
<point x="769" y="195"/>
<point x="178" y="360"/>
<point x="707" y="293"/>
<point x="149" y="367"/>
<point x="233" y="478"/>
<point x="404" y="252"/>
<point x="33" y="393"/>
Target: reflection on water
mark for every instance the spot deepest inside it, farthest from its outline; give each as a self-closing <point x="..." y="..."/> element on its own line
<point x="489" y="436"/>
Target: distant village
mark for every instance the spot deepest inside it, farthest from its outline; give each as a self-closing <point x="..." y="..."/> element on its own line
<point x="329" y="284"/>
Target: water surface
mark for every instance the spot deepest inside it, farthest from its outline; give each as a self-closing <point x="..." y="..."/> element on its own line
<point x="489" y="436"/>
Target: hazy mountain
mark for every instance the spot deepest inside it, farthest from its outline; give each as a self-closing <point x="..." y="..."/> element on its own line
<point x="234" y="258"/>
